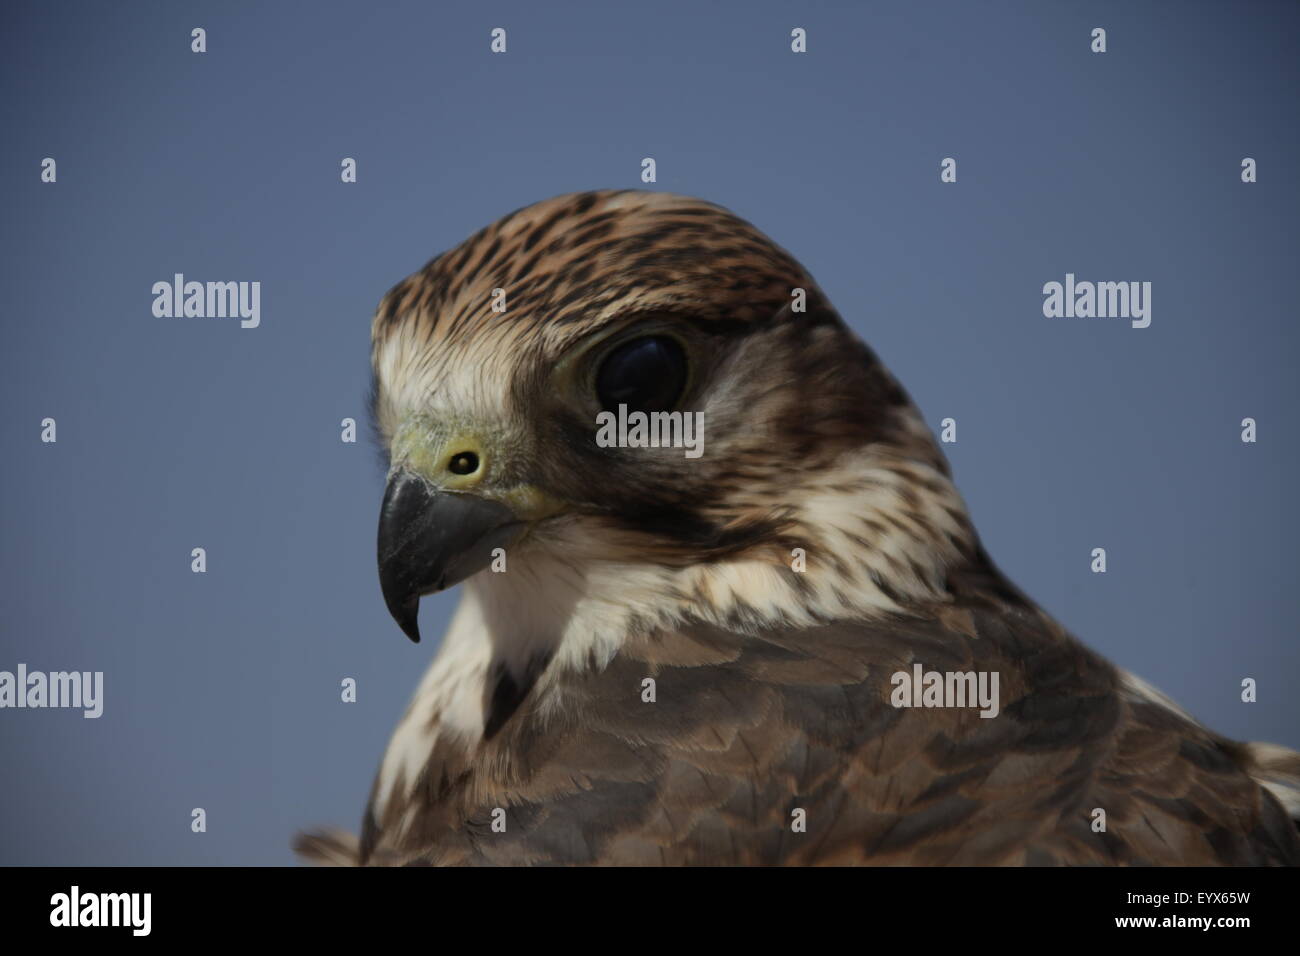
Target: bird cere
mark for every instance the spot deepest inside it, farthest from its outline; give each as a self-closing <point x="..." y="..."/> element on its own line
<point x="722" y="664"/>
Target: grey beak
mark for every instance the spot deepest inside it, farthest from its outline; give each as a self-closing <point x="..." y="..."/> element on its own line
<point x="430" y="540"/>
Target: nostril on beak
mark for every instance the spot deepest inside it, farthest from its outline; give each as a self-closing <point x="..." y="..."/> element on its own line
<point x="463" y="463"/>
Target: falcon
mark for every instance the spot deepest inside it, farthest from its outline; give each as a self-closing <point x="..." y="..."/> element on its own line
<point x="663" y="659"/>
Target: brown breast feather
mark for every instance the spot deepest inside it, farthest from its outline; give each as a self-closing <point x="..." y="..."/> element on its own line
<point x="751" y="728"/>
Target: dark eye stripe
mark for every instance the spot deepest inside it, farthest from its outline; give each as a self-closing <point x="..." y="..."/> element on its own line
<point x="646" y="374"/>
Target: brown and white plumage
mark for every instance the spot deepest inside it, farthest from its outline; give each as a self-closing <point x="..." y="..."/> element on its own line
<point x="772" y="685"/>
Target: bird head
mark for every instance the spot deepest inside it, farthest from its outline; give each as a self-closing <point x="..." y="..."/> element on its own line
<point x="498" y="364"/>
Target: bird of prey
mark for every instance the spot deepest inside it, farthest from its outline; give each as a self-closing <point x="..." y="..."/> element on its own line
<point x="666" y="659"/>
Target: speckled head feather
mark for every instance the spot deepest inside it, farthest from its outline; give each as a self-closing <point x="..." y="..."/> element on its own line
<point x="784" y="393"/>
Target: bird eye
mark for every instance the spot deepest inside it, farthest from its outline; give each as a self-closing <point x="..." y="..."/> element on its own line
<point x="646" y="375"/>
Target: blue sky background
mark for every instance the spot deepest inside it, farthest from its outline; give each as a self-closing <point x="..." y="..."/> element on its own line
<point x="222" y="689"/>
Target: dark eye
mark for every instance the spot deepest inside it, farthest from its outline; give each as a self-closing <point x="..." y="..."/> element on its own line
<point x="646" y="375"/>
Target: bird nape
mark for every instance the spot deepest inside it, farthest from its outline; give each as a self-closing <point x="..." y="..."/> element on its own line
<point x="722" y="601"/>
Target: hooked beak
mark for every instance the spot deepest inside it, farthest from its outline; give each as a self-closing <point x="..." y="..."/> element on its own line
<point x="431" y="539"/>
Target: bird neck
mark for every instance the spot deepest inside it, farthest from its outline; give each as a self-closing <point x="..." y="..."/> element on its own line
<point x="877" y="534"/>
